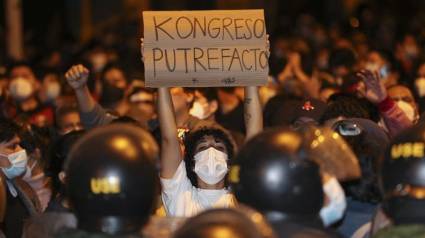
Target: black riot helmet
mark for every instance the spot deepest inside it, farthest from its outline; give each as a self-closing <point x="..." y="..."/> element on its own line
<point x="112" y="180"/>
<point x="242" y="222"/>
<point x="402" y="177"/>
<point x="274" y="175"/>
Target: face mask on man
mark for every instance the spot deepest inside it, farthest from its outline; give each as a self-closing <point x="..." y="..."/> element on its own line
<point x="53" y="90"/>
<point x="407" y="109"/>
<point x="18" y="161"/>
<point x="111" y="94"/>
<point x="334" y="210"/>
<point x="20" y="88"/>
<point x="199" y="111"/>
<point x="99" y="60"/>
<point x="211" y="165"/>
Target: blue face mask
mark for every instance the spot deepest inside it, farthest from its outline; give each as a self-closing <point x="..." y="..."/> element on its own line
<point x="18" y="161"/>
<point x="334" y="210"/>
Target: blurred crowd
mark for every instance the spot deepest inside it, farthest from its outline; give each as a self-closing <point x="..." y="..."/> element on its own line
<point x="332" y="146"/>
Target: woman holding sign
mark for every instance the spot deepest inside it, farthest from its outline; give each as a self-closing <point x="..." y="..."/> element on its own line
<point x="195" y="180"/>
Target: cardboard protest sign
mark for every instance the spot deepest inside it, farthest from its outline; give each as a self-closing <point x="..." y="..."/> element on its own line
<point x="205" y="48"/>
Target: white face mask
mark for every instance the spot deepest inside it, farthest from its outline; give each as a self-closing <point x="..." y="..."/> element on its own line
<point x="18" y="161"/>
<point x="53" y="90"/>
<point x="407" y="109"/>
<point x="99" y="60"/>
<point x="199" y="111"/>
<point x="420" y="86"/>
<point x="334" y="210"/>
<point x="20" y="88"/>
<point x="211" y="165"/>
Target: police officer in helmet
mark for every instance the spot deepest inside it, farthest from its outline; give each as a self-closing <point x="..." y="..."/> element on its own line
<point x="112" y="181"/>
<point x="402" y="182"/>
<point x="274" y="175"/>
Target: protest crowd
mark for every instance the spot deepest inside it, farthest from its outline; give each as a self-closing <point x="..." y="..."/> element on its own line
<point x="327" y="139"/>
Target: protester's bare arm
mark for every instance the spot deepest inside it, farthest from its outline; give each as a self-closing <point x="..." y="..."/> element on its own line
<point x="77" y="77"/>
<point x="171" y="155"/>
<point x="253" y="112"/>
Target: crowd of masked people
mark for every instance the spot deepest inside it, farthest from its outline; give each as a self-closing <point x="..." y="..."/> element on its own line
<point x="332" y="146"/>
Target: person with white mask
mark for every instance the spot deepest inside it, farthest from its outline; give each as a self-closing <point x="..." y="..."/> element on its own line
<point x="50" y="90"/>
<point x="394" y="118"/>
<point x="405" y="101"/>
<point x="21" y="201"/>
<point x="205" y="104"/>
<point x="25" y="90"/>
<point x="23" y="86"/>
<point x="194" y="180"/>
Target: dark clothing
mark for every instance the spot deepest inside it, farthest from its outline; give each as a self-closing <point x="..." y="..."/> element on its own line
<point x="83" y="234"/>
<point x="284" y="111"/>
<point x="233" y="120"/>
<point x="16" y="213"/>
<point x="357" y="214"/>
<point x="19" y="208"/>
<point x="55" y="205"/>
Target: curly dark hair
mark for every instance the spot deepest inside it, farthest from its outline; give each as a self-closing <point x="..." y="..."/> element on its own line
<point x="191" y="141"/>
<point x="344" y="105"/>
<point x="8" y="130"/>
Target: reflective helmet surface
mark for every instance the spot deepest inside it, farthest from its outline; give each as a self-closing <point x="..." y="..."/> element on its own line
<point x="112" y="180"/>
<point x="273" y="174"/>
<point x="402" y="176"/>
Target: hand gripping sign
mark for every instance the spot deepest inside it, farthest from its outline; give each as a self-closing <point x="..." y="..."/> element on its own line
<point x="205" y="48"/>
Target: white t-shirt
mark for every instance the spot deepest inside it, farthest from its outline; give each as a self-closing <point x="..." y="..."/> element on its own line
<point x="182" y="199"/>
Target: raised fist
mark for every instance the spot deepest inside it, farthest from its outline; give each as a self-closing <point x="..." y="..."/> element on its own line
<point x="77" y="76"/>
